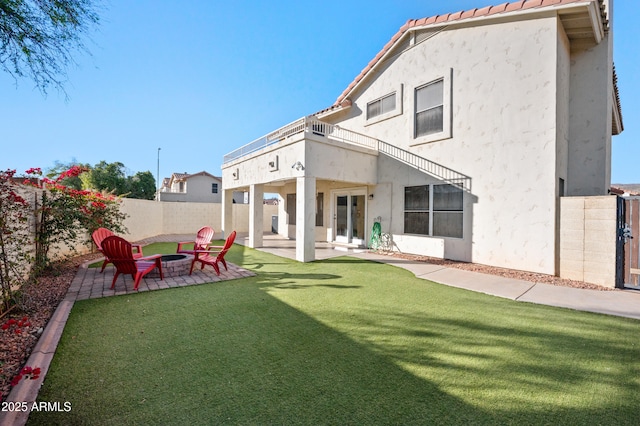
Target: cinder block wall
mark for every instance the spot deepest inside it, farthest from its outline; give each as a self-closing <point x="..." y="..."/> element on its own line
<point x="144" y="218"/>
<point x="588" y="239"/>
<point x="150" y="218"/>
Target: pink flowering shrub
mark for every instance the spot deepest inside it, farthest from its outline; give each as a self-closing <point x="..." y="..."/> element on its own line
<point x="15" y="212"/>
<point x="62" y="216"/>
<point x="26" y="373"/>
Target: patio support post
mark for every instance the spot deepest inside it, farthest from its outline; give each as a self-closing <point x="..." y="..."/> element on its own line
<point x="305" y="219"/>
<point x="227" y="212"/>
<point x="256" y="226"/>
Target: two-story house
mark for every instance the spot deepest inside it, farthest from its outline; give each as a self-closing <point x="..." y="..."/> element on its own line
<point x="201" y="187"/>
<point x="459" y="138"/>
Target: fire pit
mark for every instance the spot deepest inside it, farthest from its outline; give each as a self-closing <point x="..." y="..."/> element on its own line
<point x="173" y="265"/>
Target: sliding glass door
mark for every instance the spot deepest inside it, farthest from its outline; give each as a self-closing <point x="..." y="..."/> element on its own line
<point x="350" y="213"/>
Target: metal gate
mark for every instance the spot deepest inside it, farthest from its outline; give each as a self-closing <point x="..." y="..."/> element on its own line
<point x="628" y="250"/>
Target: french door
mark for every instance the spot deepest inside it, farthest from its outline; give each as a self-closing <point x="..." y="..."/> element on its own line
<point x="349" y="216"/>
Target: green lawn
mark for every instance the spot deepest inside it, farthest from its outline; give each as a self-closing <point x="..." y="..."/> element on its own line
<point x="341" y="341"/>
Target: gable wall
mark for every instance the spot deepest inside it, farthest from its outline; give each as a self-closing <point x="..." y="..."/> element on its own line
<point x="503" y="135"/>
<point x="199" y="190"/>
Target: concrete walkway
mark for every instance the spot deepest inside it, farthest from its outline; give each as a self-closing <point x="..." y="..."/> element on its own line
<point x="623" y="303"/>
<point x="90" y="283"/>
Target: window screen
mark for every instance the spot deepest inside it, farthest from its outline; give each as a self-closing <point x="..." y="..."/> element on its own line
<point x="429" y="109"/>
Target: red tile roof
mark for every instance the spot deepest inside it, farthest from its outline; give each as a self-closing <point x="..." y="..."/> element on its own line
<point x="451" y="17"/>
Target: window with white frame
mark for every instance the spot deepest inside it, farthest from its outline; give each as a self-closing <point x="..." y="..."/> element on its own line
<point x="435" y="210"/>
<point x="381" y="106"/>
<point x="429" y="112"/>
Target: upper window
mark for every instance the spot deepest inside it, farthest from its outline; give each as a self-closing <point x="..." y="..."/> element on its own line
<point x="433" y="210"/>
<point x="385" y="107"/>
<point x="214" y="188"/>
<point x="381" y="106"/>
<point x="429" y="118"/>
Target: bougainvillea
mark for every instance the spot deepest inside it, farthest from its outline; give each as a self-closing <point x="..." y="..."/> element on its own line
<point x="27" y="373"/>
<point x="66" y="215"/>
<point x="15" y="239"/>
<point x="59" y="215"/>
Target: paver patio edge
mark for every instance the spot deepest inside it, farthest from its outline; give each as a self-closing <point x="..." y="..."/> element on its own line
<point x="27" y="390"/>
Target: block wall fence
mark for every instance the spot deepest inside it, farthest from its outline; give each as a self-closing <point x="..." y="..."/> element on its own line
<point x="586" y="248"/>
<point x="588" y="231"/>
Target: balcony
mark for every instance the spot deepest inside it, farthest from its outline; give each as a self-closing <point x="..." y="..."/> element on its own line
<point x="303" y="125"/>
<point x="333" y="132"/>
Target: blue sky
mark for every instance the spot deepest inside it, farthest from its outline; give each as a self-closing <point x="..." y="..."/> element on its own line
<point x="200" y="78"/>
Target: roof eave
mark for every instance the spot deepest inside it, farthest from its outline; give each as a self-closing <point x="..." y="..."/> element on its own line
<point x="462" y="18"/>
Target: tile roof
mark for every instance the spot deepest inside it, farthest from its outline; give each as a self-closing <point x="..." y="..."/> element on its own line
<point x="504" y="8"/>
<point x="185" y="175"/>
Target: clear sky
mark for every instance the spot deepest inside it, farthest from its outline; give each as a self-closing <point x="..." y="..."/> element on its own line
<point x="200" y="78"/>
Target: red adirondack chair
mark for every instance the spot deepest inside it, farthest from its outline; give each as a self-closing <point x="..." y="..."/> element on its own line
<point x="98" y="237"/>
<point x="120" y="253"/>
<point x="202" y="242"/>
<point x="213" y="257"/>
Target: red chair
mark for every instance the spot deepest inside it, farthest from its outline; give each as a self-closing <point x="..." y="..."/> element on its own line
<point x="98" y="237"/>
<point x="120" y="253"/>
<point x="202" y="242"/>
<point x="213" y="257"/>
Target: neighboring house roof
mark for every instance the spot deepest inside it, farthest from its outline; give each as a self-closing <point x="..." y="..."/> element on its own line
<point x="574" y="29"/>
<point x="181" y="177"/>
<point x="616" y="191"/>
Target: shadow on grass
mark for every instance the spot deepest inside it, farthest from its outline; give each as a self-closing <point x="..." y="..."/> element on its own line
<point x="396" y="350"/>
<point x="232" y="354"/>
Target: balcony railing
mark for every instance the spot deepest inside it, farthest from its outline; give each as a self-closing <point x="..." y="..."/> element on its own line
<point x="331" y="131"/>
<point x="434" y="169"/>
<point x="306" y="124"/>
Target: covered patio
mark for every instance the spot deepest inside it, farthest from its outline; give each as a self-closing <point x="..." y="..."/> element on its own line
<point x="324" y="177"/>
<point x="284" y="247"/>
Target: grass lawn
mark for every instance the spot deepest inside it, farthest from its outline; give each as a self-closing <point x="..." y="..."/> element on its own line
<point x="340" y="341"/>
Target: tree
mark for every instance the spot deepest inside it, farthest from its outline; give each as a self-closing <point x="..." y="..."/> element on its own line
<point x="106" y="177"/>
<point x="39" y="37"/>
<point x="58" y="168"/>
<point x="142" y="186"/>
<point x="112" y="178"/>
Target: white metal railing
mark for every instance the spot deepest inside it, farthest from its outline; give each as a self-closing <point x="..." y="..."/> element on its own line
<point x="427" y="166"/>
<point x="305" y="124"/>
<point x="331" y="131"/>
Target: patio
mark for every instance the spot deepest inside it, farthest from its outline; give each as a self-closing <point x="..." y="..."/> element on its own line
<point x="283" y="247"/>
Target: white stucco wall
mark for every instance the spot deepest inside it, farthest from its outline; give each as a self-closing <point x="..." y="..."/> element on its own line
<point x="590" y="121"/>
<point x="321" y="159"/>
<point x="503" y="135"/>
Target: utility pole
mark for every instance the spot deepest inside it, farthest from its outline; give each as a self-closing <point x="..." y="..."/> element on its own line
<point x="158" y="177"/>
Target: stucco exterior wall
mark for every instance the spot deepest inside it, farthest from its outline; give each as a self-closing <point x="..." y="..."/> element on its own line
<point x="588" y="239"/>
<point x="590" y="121"/>
<point x="321" y="159"/>
<point x="197" y="189"/>
<point x="503" y="103"/>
